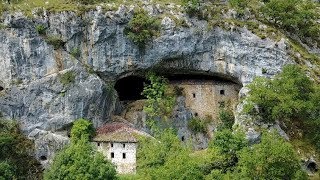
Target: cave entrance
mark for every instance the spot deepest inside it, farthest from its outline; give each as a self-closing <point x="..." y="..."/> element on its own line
<point x="1" y="88"/>
<point x="130" y="88"/>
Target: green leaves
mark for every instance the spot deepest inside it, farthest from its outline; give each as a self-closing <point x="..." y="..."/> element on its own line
<point x="273" y="158"/>
<point x="287" y="96"/>
<point x="80" y="160"/>
<point x="141" y="28"/>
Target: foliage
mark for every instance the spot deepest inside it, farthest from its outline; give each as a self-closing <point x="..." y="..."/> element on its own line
<point x="82" y="129"/>
<point x="79" y="160"/>
<point x="160" y="101"/>
<point x="273" y="158"/>
<point x="55" y="41"/>
<point x="165" y="157"/>
<point x="293" y="15"/>
<point x="239" y="5"/>
<point x="41" y="29"/>
<point x="226" y="117"/>
<point x="6" y="171"/>
<point x="67" y="78"/>
<point x="192" y="7"/>
<point x="198" y="125"/>
<point x="287" y="96"/>
<point x="141" y="28"/>
<point x="75" y="52"/>
<point x="16" y="150"/>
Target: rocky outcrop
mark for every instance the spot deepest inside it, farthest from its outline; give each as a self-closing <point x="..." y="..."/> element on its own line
<point x="31" y="69"/>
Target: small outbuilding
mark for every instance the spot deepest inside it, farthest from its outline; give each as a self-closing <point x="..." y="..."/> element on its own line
<point x="118" y="143"/>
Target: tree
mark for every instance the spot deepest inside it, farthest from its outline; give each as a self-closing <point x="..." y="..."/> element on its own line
<point x="287" y="96"/>
<point x="273" y="158"/>
<point x="160" y="101"/>
<point x="80" y="160"/>
<point x="16" y="153"/>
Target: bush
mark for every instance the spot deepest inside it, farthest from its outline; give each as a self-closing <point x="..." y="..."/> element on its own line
<point x="75" y="52"/>
<point x="141" y="28"/>
<point x="273" y="158"/>
<point x="67" y="78"/>
<point x="192" y="7"/>
<point x="79" y="160"/>
<point x="198" y="125"/>
<point x="227" y="118"/>
<point x="56" y="42"/>
<point x="41" y="29"/>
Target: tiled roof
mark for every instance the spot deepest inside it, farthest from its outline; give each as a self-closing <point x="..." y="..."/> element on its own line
<point x="117" y="132"/>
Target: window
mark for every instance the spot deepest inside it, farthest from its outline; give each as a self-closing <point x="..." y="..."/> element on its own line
<point x="112" y="155"/>
<point x="182" y="138"/>
<point x="111" y="144"/>
<point x="222" y="92"/>
<point x="123" y="145"/>
<point x="98" y="144"/>
<point x="123" y="155"/>
<point x="194" y="95"/>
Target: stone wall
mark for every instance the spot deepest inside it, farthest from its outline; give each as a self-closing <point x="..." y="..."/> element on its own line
<point x="125" y="165"/>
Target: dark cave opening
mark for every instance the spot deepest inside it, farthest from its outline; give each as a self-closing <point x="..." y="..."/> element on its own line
<point x="43" y="158"/>
<point x="130" y="88"/>
<point x="1" y="88"/>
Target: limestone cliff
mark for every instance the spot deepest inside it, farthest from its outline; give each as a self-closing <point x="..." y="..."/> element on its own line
<point x="31" y="70"/>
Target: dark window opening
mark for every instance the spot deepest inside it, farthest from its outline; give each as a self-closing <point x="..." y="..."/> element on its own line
<point x="98" y="144"/>
<point x="130" y="88"/>
<point x="196" y="114"/>
<point x="111" y="144"/>
<point x="1" y="88"/>
<point x="124" y="145"/>
<point x="222" y="92"/>
<point x="194" y="95"/>
<point x="221" y="104"/>
<point x="112" y="155"/>
<point x="312" y="166"/>
<point x="123" y="155"/>
<point x="182" y="138"/>
<point x="43" y="158"/>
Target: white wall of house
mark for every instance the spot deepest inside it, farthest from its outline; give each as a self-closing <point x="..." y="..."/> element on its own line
<point x="123" y="155"/>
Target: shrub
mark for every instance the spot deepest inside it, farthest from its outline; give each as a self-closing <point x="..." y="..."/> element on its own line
<point x="75" y="52"/>
<point x="141" y="28"/>
<point x="198" y="125"/>
<point x="41" y="29"/>
<point x="226" y="117"/>
<point x="55" y="41"/>
<point x="192" y="7"/>
<point x="67" y="78"/>
<point x="273" y="158"/>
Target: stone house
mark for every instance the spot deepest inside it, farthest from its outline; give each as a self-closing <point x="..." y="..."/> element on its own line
<point x="118" y="143"/>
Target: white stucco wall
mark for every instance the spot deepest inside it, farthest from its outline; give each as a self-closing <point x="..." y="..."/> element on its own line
<point x="124" y="165"/>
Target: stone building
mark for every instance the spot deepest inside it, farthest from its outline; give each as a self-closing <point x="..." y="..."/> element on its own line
<point x="118" y="143"/>
<point x="205" y="97"/>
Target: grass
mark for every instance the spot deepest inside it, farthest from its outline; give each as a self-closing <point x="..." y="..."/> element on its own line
<point x="67" y="78"/>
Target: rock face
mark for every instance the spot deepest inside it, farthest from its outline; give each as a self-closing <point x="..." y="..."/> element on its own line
<point x="31" y="70"/>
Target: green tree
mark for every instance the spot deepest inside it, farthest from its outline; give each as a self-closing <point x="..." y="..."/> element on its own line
<point x="80" y="160"/>
<point x="160" y="101"/>
<point x="273" y="158"/>
<point x="287" y="96"/>
<point x="16" y="153"/>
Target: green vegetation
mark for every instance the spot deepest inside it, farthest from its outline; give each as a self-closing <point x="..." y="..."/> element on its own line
<point x="291" y="97"/>
<point x="273" y="158"/>
<point x="80" y="160"/>
<point x="198" y="125"/>
<point x="160" y="101"/>
<point x="55" y="41"/>
<point x="75" y="52"/>
<point x="192" y="7"/>
<point x="142" y="28"/>
<point x="41" y="29"/>
<point x="16" y="161"/>
<point x="226" y="118"/>
<point x="67" y="78"/>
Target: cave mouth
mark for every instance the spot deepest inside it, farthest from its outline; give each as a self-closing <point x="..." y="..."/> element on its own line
<point x="1" y="88"/>
<point x="130" y="88"/>
<point x="312" y="166"/>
